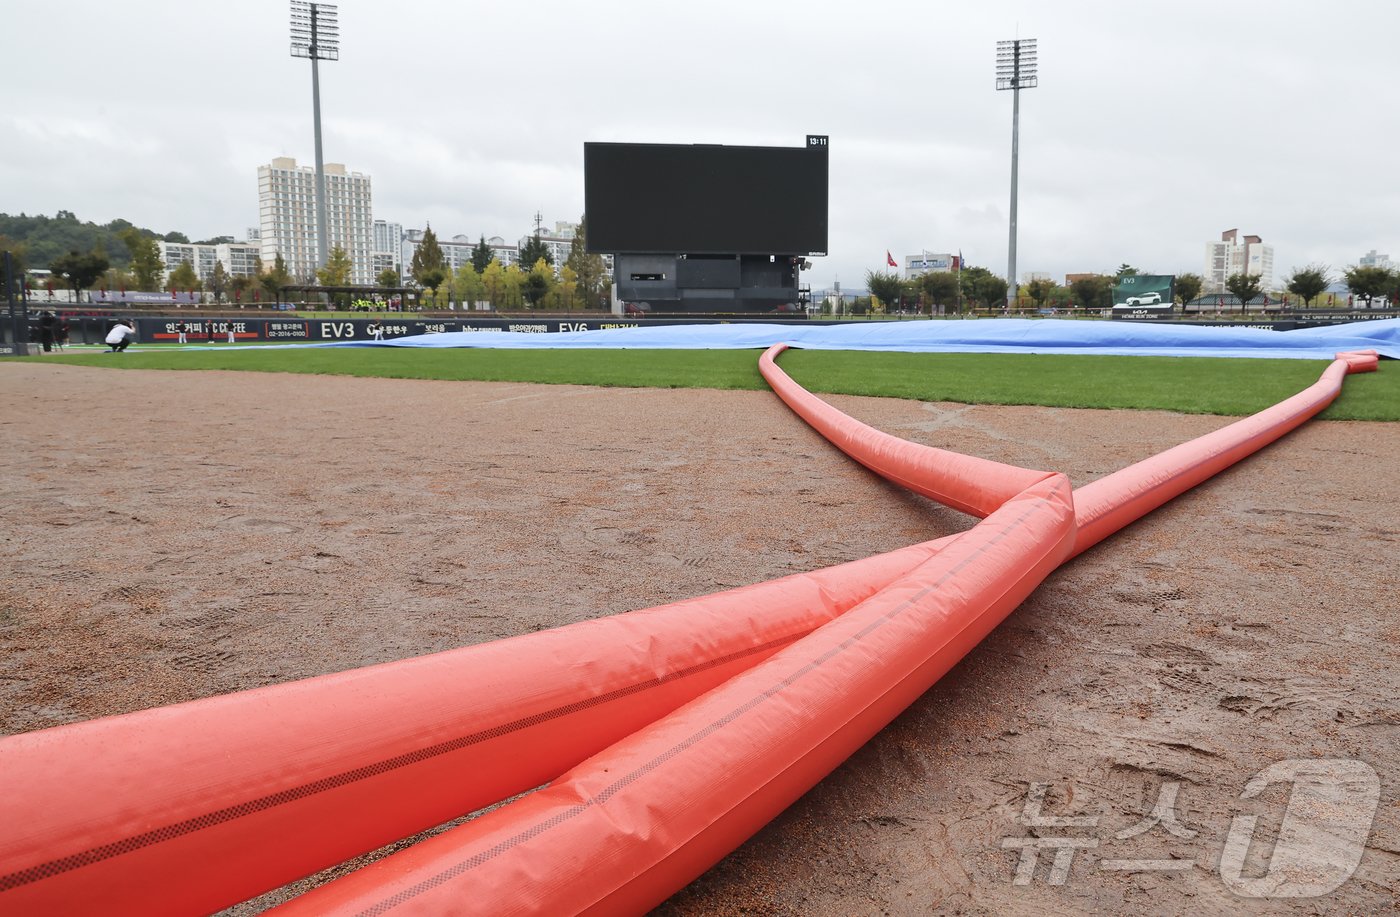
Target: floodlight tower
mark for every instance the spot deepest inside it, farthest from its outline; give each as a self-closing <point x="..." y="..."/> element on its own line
<point x="316" y="34"/>
<point x="1016" y="70"/>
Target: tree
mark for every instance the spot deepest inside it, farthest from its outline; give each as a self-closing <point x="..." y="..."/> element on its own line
<point x="1309" y="282"/>
<point x="1124" y="270"/>
<point x="338" y="269"/>
<point x="470" y="289"/>
<point x="493" y="282"/>
<point x="428" y="266"/>
<point x="885" y="287"/>
<point x="1040" y="290"/>
<point x="513" y="286"/>
<point x="538" y="283"/>
<point x="941" y="288"/>
<point x="481" y="256"/>
<point x="218" y="281"/>
<point x="1244" y="286"/>
<point x="183" y="277"/>
<point x="114" y="278"/>
<point x="1368" y="282"/>
<point x="146" y="266"/>
<point x="242" y="287"/>
<point x="388" y="278"/>
<point x="1188" y="287"/>
<point x="1093" y="292"/>
<point x="17" y="251"/>
<point x="79" y="271"/>
<point x="567" y="290"/>
<point x="533" y="250"/>
<point x="983" y="288"/>
<point x="589" y="269"/>
<point x="275" y="278"/>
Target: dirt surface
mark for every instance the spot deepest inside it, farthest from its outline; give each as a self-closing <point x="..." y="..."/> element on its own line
<point x="174" y="535"/>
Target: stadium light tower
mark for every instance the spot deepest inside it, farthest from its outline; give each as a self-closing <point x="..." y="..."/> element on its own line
<point x="316" y="34"/>
<point x="1016" y="70"/>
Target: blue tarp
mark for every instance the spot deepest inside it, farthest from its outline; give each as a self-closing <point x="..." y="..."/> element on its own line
<point x="982" y="336"/>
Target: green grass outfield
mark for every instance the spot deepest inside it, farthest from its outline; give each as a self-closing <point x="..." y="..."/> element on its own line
<point x="1194" y="385"/>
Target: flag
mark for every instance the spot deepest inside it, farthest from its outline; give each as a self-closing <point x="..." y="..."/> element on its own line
<point x="957" y="262"/>
<point x="890" y="259"/>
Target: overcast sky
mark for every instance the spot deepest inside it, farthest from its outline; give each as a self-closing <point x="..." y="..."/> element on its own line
<point x="1156" y="125"/>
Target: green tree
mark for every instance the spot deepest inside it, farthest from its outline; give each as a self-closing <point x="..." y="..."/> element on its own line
<point x="1093" y="292"/>
<point x="242" y="287"/>
<point x="388" y="278"/>
<point x="1124" y="270"/>
<point x="885" y="287"/>
<point x="983" y="288"/>
<point x="1040" y="291"/>
<point x="183" y="277"/>
<point x="338" y="269"/>
<point x="1367" y="282"/>
<point x="941" y="288"/>
<point x="533" y="250"/>
<point x="513" y="286"/>
<point x="1308" y="283"/>
<point x="538" y="283"/>
<point x="494" y="283"/>
<point x="79" y="271"/>
<point x="1245" y="286"/>
<point x="114" y="278"/>
<point x="481" y="256"/>
<point x="566" y="294"/>
<point x="589" y="269"/>
<point x="275" y="279"/>
<point x="1188" y="287"/>
<point x="146" y="266"/>
<point x="218" y="281"/>
<point x="470" y="289"/>
<point x="428" y="267"/>
<point x="18" y="265"/>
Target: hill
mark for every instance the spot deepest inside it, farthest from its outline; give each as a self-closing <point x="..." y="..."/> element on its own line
<point x="42" y="238"/>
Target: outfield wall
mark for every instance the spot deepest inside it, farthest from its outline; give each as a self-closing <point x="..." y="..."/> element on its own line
<point x="92" y="329"/>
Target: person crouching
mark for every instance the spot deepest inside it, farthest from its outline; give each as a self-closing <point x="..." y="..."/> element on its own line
<point x="119" y="338"/>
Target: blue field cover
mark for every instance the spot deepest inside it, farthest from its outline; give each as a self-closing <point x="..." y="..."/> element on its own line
<point x="966" y="336"/>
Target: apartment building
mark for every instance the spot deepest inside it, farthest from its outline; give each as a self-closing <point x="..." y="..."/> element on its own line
<point x="1372" y="259"/>
<point x="1236" y="254"/>
<point x="287" y="217"/>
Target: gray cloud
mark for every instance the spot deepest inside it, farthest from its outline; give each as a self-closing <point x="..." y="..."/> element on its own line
<point x="1156" y="125"/>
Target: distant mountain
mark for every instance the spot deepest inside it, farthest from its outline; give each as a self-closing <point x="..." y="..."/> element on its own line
<point x="45" y="238"/>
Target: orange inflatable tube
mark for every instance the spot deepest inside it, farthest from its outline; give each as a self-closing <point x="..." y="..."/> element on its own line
<point x="975" y="486"/>
<point x="1115" y="500"/>
<point x="623" y="830"/>
<point x="197" y="806"/>
<point x="638" y="821"/>
<point x="189" y="808"/>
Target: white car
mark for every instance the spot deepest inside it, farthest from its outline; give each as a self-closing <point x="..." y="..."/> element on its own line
<point x="1146" y="299"/>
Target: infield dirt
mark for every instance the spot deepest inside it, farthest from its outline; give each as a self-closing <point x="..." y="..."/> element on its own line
<point x="172" y="535"/>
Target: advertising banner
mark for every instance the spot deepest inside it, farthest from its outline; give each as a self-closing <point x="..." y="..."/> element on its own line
<point x="1143" y="295"/>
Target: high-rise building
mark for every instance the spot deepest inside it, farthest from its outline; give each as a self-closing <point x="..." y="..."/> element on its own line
<point x="287" y="217"/>
<point x="174" y="254"/>
<point x="1371" y="259"/>
<point x="456" y="251"/>
<point x="1235" y="254"/>
<point x="388" y="239"/>
<point x="240" y="259"/>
